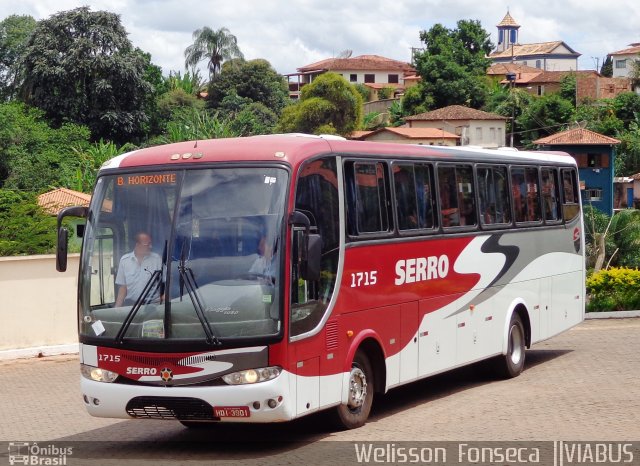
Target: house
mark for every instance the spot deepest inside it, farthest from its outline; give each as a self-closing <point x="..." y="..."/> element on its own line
<point x="623" y="60"/>
<point x="422" y="136"/>
<point x="54" y="201"/>
<point x="548" y="56"/>
<point x="474" y="127"/>
<point x="595" y="156"/>
<point x="373" y="71"/>
<point x="589" y="83"/>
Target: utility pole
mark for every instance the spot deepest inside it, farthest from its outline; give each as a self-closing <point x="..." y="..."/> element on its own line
<point x="511" y="77"/>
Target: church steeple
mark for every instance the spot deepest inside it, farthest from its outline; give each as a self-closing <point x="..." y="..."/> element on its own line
<point x="507" y="33"/>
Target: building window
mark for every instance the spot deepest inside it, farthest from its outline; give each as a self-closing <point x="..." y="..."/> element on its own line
<point x="369" y="78"/>
<point x="393" y="79"/>
<point x="492" y="134"/>
<point x="353" y="78"/>
<point x="538" y="64"/>
<point x="620" y="64"/>
<point x="500" y="36"/>
<point x="540" y="90"/>
<point x="478" y="135"/>
<point x="593" y="194"/>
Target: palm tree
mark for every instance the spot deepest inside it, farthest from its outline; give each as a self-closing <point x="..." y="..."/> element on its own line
<point x="214" y="46"/>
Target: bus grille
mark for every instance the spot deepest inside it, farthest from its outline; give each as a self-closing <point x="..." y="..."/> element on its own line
<point x="160" y="407"/>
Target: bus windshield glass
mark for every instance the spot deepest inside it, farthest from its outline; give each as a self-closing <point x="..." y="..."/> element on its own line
<point x="184" y="255"/>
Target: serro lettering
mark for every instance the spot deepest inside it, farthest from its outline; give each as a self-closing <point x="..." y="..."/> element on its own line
<point x="142" y="370"/>
<point x="419" y="269"/>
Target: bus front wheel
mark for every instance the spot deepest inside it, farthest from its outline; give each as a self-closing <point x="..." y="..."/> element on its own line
<point x="355" y="413"/>
<point x="511" y="364"/>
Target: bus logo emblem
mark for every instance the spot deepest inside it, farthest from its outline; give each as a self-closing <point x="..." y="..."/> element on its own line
<point x="166" y="374"/>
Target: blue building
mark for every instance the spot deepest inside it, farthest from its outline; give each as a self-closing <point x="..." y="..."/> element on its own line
<point x="595" y="155"/>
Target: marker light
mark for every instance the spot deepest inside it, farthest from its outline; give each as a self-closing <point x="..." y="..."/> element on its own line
<point x="97" y="374"/>
<point x="250" y="376"/>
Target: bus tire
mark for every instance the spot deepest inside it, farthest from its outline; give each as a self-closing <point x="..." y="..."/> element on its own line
<point x="197" y="424"/>
<point x="511" y="364"/>
<point x="361" y="387"/>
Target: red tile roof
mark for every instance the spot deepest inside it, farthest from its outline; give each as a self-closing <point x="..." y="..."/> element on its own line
<point x="577" y="136"/>
<point x="455" y="112"/>
<point x="362" y="62"/>
<point x="54" y="201"/>
<point x="504" y="68"/>
<point x="634" y="49"/>
<point x="410" y="133"/>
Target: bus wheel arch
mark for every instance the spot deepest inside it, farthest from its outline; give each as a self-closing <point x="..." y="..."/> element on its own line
<point x="517" y="338"/>
<point x="366" y="375"/>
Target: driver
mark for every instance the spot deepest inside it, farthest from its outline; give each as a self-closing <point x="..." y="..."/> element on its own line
<point x="135" y="270"/>
<point x="263" y="265"/>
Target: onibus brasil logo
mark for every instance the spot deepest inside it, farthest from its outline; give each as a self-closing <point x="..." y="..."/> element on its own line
<point x="34" y="454"/>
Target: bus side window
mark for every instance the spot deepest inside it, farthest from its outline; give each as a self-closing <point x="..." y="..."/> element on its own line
<point x="457" y="198"/>
<point x="550" y="194"/>
<point x="570" y="205"/>
<point x="493" y="193"/>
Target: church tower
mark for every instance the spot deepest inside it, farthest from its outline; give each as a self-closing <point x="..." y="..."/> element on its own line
<point x="507" y="33"/>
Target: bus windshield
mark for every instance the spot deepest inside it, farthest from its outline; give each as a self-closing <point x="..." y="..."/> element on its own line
<point x="184" y="255"/>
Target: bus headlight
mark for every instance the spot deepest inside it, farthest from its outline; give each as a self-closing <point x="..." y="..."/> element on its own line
<point x="249" y="376"/>
<point x="97" y="374"/>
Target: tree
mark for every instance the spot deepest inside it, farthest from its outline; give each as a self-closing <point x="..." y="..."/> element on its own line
<point x="36" y="157"/>
<point x="14" y="33"/>
<point x="627" y="107"/>
<point x="510" y="102"/>
<point x="255" y="80"/>
<point x="544" y="116"/>
<point x="213" y="46"/>
<point x="453" y="65"/>
<point x="26" y="228"/>
<point x="568" y="88"/>
<point x="628" y="151"/>
<point x="607" y="67"/>
<point x="329" y="104"/>
<point x="81" y="68"/>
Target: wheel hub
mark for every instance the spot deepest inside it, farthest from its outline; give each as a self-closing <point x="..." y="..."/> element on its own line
<point x="357" y="388"/>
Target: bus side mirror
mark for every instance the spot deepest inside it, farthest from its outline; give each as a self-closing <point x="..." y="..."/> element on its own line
<point x="309" y="247"/>
<point x="311" y="267"/>
<point x="61" y="250"/>
<point x="63" y="234"/>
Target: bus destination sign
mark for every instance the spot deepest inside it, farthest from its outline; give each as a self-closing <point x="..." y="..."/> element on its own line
<point x="147" y="179"/>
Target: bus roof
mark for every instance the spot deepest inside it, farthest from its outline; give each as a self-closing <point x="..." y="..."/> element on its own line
<point x="295" y="148"/>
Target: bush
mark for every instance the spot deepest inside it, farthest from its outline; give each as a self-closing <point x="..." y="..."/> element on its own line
<point x="614" y="289"/>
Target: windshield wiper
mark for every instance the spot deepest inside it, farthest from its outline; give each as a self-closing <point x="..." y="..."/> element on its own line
<point x="188" y="278"/>
<point x="151" y="285"/>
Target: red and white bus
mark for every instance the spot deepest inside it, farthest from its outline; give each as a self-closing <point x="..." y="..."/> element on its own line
<point x="381" y="264"/>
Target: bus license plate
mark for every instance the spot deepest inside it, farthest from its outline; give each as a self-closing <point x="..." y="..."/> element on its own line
<point x="231" y="411"/>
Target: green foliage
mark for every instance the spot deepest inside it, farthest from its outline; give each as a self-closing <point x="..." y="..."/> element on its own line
<point x="372" y="121"/>
<point x="328" y="103"/>
<point x="544" y="116"/>
<point x="91" y="159"/>
<point x="80" y="67"/>
<point x="600" y="118"/>
<point x="415" y="101"/>
<point x="14" y="33"/>
<point x="364" y="91"/>
<point x="619" y="235"/>
<point x="453" y="65"/>
<point x="24" y="227"/>
<point x="615" y="289"/>
<point x="189" y="83"/>
<point x="213" y="46"/>
<point x="190" y="124"/>
<point x="253" y="119"/>
<point x="568" y="88"/>
<point x="627" y="108"/>
<point x="255" y="80"/>
<point x="386" y="92"/>
<point x="607" y="67"/>
<point x="35" y="156"/>
<point x="510" y="102"/>
<point x="628" y="151"/>
<point x="396" y="114"/>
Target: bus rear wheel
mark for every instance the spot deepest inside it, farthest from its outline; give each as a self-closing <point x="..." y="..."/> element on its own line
<point x="511" y="364"/>
<point x="355" y="413"/>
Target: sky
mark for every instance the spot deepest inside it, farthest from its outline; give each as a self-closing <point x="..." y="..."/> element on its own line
<point x="293" y="33"/>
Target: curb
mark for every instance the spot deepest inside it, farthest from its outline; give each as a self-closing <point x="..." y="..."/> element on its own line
<point x="611" y="315"/>
<point x="39" y="351"/>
